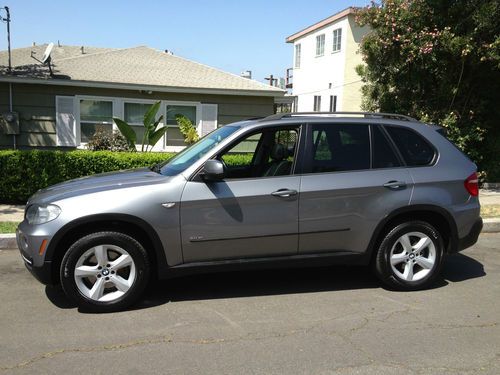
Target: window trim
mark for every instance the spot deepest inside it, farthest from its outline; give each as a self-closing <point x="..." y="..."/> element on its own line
<point x="118" y="105"/>
<point x="339" y="40"/>
<point x="298" y="56"/>
<point x="318" y="38"/>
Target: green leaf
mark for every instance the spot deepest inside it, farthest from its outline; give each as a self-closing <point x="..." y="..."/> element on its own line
<point x="150" y="115"/>
<point x="155" y="137"/>
<point x="126" y="130"/>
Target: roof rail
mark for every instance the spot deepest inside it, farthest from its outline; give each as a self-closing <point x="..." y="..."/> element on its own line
<point x="394" y="116"/>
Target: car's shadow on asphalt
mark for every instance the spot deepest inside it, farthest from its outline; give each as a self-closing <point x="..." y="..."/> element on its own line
<point x="457" y="268"/>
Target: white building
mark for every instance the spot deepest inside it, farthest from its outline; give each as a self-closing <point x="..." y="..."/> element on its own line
<point x="325" y="57"/>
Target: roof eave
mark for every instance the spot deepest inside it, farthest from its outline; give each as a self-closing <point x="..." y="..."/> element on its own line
<point x="131" y="86"/>
<point x="318" y="25"/>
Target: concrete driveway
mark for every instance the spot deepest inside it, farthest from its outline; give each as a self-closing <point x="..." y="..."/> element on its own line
<point x="316" y="321"/>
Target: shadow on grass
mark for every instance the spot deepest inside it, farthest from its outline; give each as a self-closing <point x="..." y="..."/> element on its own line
<point x="456" y="268"/>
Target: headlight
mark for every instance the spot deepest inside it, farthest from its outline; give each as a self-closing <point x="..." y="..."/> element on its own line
<point x="37" y="214"/>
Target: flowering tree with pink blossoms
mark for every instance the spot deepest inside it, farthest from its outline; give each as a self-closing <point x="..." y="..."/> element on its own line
<point x="438" y="61"/>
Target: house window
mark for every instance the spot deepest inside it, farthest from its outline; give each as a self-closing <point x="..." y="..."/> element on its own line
<point x="95" y="114"/>
<point x="337" y="40"/>
<point x="174" y="135"/>
<point x="134" y="116"/>
<point x="297" y="55"/>
<point x="317" y="103"/>
<point x="320" y="45"/>
<point x="333" y="103"/>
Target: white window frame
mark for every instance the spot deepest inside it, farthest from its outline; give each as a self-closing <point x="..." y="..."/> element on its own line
<point x="186" y="104"/>
<point x="298" y="53"/>
<point x="119" y="111"/>
<point x="337" y="40"/>
<point x="320" y="45"/>
<point x="79" y="98"/>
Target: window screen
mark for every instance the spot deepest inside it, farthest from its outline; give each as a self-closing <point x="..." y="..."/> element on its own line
<point x="383" y="153"/>
<point x="414" y="148"/>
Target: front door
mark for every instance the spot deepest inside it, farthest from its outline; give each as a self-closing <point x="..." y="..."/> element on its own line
<point x="253" y="212"/>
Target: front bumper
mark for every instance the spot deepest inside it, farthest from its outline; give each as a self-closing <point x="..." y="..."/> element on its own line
<point x="28" y="245"/>
<point x="471" y="238"/>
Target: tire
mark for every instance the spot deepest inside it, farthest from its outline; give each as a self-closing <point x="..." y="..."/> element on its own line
<point x="401" y="265"/>
<point x="105" y="271"/>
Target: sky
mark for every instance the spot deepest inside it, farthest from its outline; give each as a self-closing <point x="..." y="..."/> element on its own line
<point x="230" y="35"/>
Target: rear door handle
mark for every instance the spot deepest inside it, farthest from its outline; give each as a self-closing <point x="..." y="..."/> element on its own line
<point x="284" y="193"/>
<point x="395" y="185"/>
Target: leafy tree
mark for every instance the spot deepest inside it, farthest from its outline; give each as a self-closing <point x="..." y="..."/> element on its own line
<point x="152" y="134"/>
<point x="438" y="61"/>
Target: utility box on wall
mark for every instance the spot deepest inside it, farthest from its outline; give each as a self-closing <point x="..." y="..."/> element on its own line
<point x="9" y="123"/>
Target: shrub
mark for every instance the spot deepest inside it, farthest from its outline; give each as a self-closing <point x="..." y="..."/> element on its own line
<point x="103" y="140"/>
<point x="24" y="172"/>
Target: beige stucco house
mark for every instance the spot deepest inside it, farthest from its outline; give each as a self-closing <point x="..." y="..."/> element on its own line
<point x="325" y="56"/>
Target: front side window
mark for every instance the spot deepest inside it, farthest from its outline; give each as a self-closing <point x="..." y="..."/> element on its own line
<point x="415" y="150"/>
<point x="95" y="114"/>
<point x="174" y="135"/>
<point x="320" y="45"/>
<point x="297" y="55"/>
<point x="190" y="155"/>
<point x="337" y="40"/>
<point x="338" y="147"/>
<point x="268" y="153"/>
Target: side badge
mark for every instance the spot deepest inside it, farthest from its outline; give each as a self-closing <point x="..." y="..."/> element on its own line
<point x="168" y="204"/>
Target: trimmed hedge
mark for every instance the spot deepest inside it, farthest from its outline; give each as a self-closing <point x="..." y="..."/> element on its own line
<point x="22" y="173"/>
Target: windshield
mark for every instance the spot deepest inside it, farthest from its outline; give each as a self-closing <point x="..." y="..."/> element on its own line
<point x="188" y="156"/>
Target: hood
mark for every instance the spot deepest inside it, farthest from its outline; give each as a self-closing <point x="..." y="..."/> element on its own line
<point x="96" y="183"/>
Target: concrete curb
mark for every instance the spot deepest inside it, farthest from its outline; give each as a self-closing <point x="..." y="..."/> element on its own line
<point x="8" y="241"/>
<point x="491" y="225"/>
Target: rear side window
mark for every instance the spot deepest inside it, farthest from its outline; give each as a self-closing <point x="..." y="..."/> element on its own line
<point x="337" y="147"/>
<point x="415" y="150"/>
<point x="383" y="153"/>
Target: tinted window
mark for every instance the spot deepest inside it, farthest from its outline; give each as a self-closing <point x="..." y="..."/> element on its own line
<point x="383" y="153"/>
<point x="339" y="148"/>
<point x="414" y="148"/>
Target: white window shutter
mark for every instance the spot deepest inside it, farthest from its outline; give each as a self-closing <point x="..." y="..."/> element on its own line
<point x="65" y="121"/>
<point x="208" y="118"/>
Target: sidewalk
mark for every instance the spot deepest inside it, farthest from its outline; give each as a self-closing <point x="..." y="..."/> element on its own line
<point x="15" y="213"/>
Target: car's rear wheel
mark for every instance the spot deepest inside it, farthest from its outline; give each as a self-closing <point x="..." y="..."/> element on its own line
<point x="105" y="271"/>
<point x="410" y="256"/>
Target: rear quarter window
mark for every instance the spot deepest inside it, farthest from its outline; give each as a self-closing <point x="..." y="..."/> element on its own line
<point x="414" y="148"/>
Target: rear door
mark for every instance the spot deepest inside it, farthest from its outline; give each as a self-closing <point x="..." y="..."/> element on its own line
<point x="349" y="185"/>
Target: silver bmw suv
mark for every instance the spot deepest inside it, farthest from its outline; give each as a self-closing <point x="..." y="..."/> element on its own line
<point x="288" y="190"/>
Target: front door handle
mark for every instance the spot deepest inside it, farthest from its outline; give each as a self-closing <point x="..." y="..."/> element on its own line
<point x="395" y="185"/>
<point x="284" y="193"/>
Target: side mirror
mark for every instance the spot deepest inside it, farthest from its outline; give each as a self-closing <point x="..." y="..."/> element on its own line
<point x="213" y="170"/>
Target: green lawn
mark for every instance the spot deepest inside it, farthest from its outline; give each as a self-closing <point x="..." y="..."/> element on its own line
<point x="491" y="210"/>
<point x="8" y="227"/>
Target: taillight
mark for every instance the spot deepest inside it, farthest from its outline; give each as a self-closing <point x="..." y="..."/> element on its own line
<point x="471" y="185"/>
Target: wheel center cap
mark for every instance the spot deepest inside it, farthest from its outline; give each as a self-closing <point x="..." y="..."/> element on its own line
<point x="412" y="256"/>
<point x="105" y="272"/>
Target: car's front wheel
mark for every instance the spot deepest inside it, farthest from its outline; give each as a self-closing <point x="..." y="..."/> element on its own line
<point x="409" y="256"/>
<point x="105" y="271"/>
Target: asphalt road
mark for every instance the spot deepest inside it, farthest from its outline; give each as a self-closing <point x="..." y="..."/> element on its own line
<point x="319" y="321"/>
